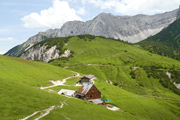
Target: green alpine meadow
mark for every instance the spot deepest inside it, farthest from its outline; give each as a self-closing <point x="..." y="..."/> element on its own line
<point x="90" y="60"/>
<point x="143" y="85"/>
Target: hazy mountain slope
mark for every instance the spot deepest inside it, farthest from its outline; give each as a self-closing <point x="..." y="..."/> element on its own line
<point x="166" y="43"/>
<point x="127" y="28"/>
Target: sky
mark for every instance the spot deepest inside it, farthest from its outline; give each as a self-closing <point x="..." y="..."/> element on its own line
<point x="21" y="19"/>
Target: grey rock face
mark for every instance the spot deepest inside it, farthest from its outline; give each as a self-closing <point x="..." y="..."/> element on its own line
<point x="178" y="13"/>
<point x="41" y="53"/>
<point x="128" y="28"/>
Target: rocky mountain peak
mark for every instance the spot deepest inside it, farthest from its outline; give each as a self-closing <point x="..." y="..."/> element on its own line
<point x="178" y="13"/>
<point x="128" y="28"/>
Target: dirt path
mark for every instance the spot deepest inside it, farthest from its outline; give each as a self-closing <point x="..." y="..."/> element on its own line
<point x="30" y="115"/>
<point x="96" y="65"/>
<point x="58" y="82"/>
<point x="113" y="108"/>
<point x="47" y="111"/>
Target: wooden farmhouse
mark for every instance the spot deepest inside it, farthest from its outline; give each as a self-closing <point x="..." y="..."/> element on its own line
<point x="67" y="92"/>
<point x="87" y="78"/>
<point x="88" y="90"/>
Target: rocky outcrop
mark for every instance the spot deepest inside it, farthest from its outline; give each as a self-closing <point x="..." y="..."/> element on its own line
<point x="42" y="53"/>
<point x="128" y="28"/>
<point x="178" y="13"/>
<point x="176" y="84"/>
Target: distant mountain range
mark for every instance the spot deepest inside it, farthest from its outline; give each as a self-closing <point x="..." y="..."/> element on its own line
<point x="166" y="43"/>
<point x="128" y="28"/>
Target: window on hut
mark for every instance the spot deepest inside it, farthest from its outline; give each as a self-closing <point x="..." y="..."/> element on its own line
<point x="90" y="96"/>
<point x="92" y="90"/>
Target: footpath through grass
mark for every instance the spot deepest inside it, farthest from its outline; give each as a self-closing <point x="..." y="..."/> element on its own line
<point x="145" y="105"/>
<point x="138" y="79"/>
<point x="138" y="76"/>
<point x="20" y="96"/>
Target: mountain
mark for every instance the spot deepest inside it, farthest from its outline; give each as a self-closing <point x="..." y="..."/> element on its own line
<point x="138" y="82"/>
<point x="178" y="14"/>
<point x="166" y="43"/>
<point x="128" y="28"/>
<point x="90" y="48"/>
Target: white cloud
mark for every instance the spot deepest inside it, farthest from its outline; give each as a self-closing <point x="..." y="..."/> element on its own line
<point x="81" y="11"/>
<point x="54" y="17"/>
<point x="132" y="7"/>
<point x="1" y="53"/>
<point x="7" y="39"/>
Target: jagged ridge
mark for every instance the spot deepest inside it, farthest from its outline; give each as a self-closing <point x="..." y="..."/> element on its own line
<point x="128" y="28"/>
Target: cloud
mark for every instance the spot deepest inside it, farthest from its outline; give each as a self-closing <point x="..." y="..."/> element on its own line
<point x="54" y="17"/>
<point x="81" y="11"/>
<point x="133" y="7"/>
<point x="1" y="53"/>
<point x="7" y="39"/>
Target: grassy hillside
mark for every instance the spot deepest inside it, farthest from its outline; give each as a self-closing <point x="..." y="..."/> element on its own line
<point x="20" y="96"/>
<point x="30" y="73"/>
<point x="19" y="81"/>
<point x="166" y="43"/>
<point x="138" y="77"/>
<point x="140" y="86"/>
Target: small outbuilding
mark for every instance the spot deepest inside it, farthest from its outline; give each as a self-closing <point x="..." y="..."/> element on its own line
<point x="96" y="101"/>
<point x="67" y="92"/>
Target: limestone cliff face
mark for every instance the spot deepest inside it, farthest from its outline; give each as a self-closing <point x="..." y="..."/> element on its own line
<point x="128" y="28"/>
<point x="43" y="54"/>
<point x="178" y="13"/>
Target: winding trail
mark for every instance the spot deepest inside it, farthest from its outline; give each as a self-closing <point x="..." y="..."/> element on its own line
<point x="58" y="82"/>
<point x="47" y="111"/>
<point x="113" y="108"/>
<point x="30" y="115"/>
